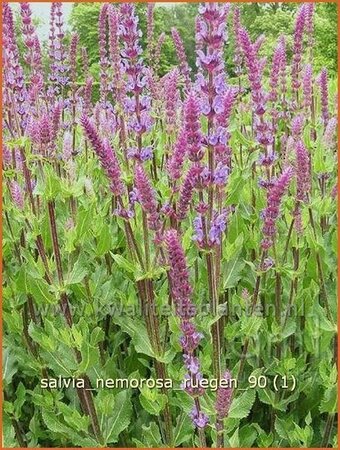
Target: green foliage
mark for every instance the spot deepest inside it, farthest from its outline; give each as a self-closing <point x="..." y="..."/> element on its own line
<point x="270" y="19"/>
<point x="80" y="315"/>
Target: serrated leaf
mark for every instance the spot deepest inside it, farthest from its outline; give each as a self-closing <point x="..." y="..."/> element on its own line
<point x="329" y="401"/>
<point x="9" y="366"/>
<point x="242" y="405"/>
<point x="184" y="430"/>
<point x="251" y="325"/>
<point x="232" y="272"/>
<point x="121" y="416"/>
<point x="123" y="263"/>
<point x="78" y="273"/>
<point x="151" y="436"/>
<point x="56" y="426"/>
<point x="137" y="331"/>
<point x="152" y="401"/>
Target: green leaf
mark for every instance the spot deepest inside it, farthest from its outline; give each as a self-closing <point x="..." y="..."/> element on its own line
<point x="329" y="401"/>
<point x="90" y="357"/>
<point x="123" y="263"/>
<point x="121" y="416"/>
<point x="9" y="365"/>
<point x="20" y="394"/>
<point x="137" y="331"/>
<point x="56" y="426"/>
<point x="248" y="435"/>
<point x="40" y="291"/>
<point x="105" y="240"/>
<point x="284" y="428"/>
<point x="152" y="401"/>
<point x="251" y="325"/>
<point x="184" y="429"/>
<point x="232" y="272"/>
<point x="50" y="187"/>
<point x="78" y="273"/>
<point x="242" y="405"/>
<point x="151" y="436"/>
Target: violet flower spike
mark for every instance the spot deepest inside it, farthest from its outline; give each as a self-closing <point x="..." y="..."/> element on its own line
<point x="237" y="51"/>
<point x="180" y="287"/>
<point x="323" y="83"/>
<point x="307" y="86"/>
<point x="147" y="197"/>
<point x="272" y="211"/>
<point x="192" y="128"/>
<point x="176" y="160"/>
<point x="223" y="398"/>
<point x="73" y="56"/>
<point x="298" y="123"/>
<point x="303" y="176"/>
<point x="186" y="192"/>
<point x="297" y="47"/>
<point x="16" y="194"/>
<point x="115" y="58"/>
<point x="328" y="138"/>
<point x="181" y="292"/>
<point x="150" y="29"/>
<point x="182" y="58"/>
<point x="103" y="55"/>
<point x="275" y="71"/>
<point x="106" y="155"/>
<point x="172" y="99"/>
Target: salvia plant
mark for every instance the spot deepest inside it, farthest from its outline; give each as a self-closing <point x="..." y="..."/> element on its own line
<point x="169" y="241"/>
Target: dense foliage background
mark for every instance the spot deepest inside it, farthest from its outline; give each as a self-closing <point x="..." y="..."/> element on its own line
<point x="145" y="187"/>
<point x="269" y="18"/>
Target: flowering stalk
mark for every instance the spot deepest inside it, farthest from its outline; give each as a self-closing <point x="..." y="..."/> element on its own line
<point x="103" y="54"/>
<point x="215" y="105"/>
<point x="323" y="82"/>
<point x="181" y="292"/>
<point x="106" y="155"/>
<point x="182" y="58"/>
<point x="222" y="406"/>
<point x="300" y="24"/>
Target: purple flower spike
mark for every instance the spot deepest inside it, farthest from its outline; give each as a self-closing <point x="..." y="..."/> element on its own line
<point x="278" y="59"/>
<point x="192" y="128"/>
<point x="297" y="125"/>
<point x="272" y="211"/>
<point x="218" y="226"/>
<point x="171" y="95"/>
<point x="182" y="58"/>
<point x="330" y="133"/>
<point x="307" y="86"/>
<point x="186" y="192"/>
<point x="224" y="396"/>
<point x="323" y="81"/>
<point x="147" y="197"/>
<point x="17" y="195"/>
<point x="199" y="419"/>
<point x="303" y="177"/>
<point x="106" y="155"/>
<point x="300" y="24"/>
<point x="176" y="160"/>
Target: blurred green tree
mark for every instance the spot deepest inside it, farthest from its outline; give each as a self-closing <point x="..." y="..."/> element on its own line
<point x="270" y="19"/>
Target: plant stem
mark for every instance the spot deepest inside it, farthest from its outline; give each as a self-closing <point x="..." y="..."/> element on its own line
<point x="19" y="432"/>
<point x="253" y="305"/>
<point x="146" y="294"/>
<point x="85" y="396"/>
<point x="215" y="327"/>
<point x="200" y="431"/>
<point x="323" y="292"/>
<point x="220" y="434"/>
<point x="328" y="430"/>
